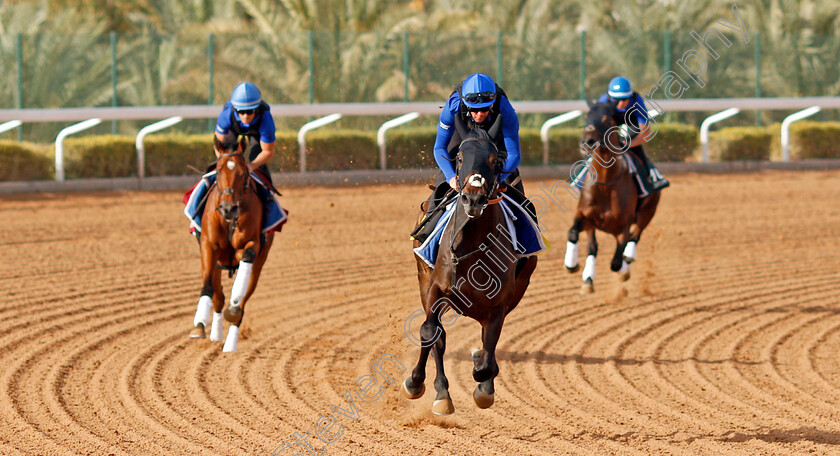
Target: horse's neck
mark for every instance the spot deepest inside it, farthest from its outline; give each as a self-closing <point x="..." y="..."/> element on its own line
<point x="608" y="166"/>
<point x="476" y="231"/>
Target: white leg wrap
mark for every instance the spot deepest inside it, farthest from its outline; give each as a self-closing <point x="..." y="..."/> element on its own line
<point x="240" y="284"/>
<point x="571" y="255"/>
<point x="625" y="267"/>
<point x="630" y="250"/>
<point x="217" y="332"/>
<point x="589" y="269"/>
<point x="232" y="339"/>
<point x="202" y="311"/>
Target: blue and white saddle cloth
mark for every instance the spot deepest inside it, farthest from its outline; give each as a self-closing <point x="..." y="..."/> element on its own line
<point x="273" y="212"/>
<point x="521" y="230"/>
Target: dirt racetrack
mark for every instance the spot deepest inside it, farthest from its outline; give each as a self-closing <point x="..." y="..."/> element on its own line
<point x="725" y="340"/>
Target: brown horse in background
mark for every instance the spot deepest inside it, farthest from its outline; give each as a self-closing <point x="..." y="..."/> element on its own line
<point x="231" y="238"/>
<point x="477" y="273"/>
<point x="610" y="202"/>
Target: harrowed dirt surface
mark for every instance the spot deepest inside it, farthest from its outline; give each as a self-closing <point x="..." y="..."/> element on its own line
<point x="725" y="340"/>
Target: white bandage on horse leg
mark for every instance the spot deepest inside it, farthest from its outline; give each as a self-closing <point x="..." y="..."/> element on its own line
<point x="589" y="268"/>
<point x="202" y="311"/>
<point x="571" y="255"/>
<point x="625" y="267"/>
<point x="240" y="284"/>
<point x="630" y="251"/>
<point x="217" y="332"/>
<point x="232" y="339"/>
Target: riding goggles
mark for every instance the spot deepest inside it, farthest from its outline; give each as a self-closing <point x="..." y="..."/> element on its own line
<point x="482" y="97"/>
<point x="246" y="112"/>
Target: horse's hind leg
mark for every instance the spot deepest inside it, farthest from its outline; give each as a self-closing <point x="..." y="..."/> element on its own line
<point x="202" y="312"/>
<point x="217" y="330"/>
<point x="589" y="268"/>
<point x="572" y="245"/>
<point x="618" y="263"/>
<point x="485" y="368"/>
<point x="643" y="218"/>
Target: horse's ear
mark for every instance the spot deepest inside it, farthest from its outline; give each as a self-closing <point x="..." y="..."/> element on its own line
<point x="590" y="103"/>
<point x="493" y="131"/>
<point x="243" y="143"/>
<point x="217" y="145"/>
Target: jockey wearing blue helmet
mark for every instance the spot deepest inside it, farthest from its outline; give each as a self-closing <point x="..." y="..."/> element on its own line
<point x="634" y="114"/>
<point x="247" y="114"/>
<point x="478" y="102"/>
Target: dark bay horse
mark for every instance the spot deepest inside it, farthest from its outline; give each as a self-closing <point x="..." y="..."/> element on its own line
<point x="231" y="239"/>
<point x="610" y="201"/>
<point x="477" y="273"/>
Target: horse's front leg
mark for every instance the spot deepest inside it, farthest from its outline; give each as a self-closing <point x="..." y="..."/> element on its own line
<point x="618" y="263"/>
<point x="589" y="268"/>
<point x="242" y="288"/>
<point x="201" y="321"/>
<point x="414" y="385"/>
<point x="485" y="368"/>
<point x="572" y="245"/>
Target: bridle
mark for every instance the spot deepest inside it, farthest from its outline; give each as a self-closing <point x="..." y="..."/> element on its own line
<point x="241" y="203"/>
<point x="605" y="143"/>
<point x="494" y="189"/>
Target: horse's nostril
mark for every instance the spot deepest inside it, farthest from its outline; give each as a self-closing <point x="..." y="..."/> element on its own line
<point x="590" y="142"/>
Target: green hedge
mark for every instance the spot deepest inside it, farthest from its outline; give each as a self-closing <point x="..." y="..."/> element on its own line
<point x="24" y="161"/>
<point x="166" y="155"/>
<point x="814" y="140"/>
<point x="740" y="143"/>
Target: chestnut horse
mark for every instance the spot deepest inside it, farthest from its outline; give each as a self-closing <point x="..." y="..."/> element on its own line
<point x="611" y="202"/>
<point x="231" y="239"/>
<point x="477" y="273"/>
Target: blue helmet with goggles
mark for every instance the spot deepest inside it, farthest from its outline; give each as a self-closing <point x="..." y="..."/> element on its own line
<point x="245" y="97"/>
<point x="620" y="88"/>
<point x="478" y="91"/>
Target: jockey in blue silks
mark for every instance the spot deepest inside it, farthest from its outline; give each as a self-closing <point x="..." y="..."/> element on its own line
<point x="631" y="106"/>
<point x="247" y="114"/>
<point x="478" y="102"/>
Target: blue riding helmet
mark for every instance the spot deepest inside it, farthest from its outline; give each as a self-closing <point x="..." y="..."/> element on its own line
<point x="478" y="91"/>
<point x="245" y="96"/>
<point x="620" y="88"/>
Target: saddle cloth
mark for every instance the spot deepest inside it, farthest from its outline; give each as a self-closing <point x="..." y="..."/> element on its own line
<point x="521" y="230"/>
<point x="274" y="216"/>
<point x="642" y="185"/>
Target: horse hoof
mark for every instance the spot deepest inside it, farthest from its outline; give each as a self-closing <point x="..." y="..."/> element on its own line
<point x="417" y="394"/>
<point x="588" y="287"/>
<point x="482" y="399"/>
<point x="625" y="277"/>
<point x="233" y="314"/>
<point x="629" y="259"/>
<point x="443" y="407"/>
<point x="573" y="270"/>
<point x="198" y="332"/>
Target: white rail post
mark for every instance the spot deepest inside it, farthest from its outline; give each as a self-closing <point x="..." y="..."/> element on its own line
<point x="59" y="143"/>
<point x="704" y="128"/>
<point x="301" y="137"/>
<point x="557" y="120"/>
<point x="808" y="112"/>
<point x="141" y="135"/>
<point x="380" y="134"/>
<point x="6" y="126"/>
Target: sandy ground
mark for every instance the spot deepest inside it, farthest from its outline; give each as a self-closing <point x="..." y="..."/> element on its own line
<point x="723" y="342"/>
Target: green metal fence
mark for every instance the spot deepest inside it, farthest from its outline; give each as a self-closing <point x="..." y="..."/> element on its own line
<point x="67" y="70"/>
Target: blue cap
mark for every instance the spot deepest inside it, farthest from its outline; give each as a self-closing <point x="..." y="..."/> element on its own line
<point x="620" y="88"/>
<point x="245" y="96"/>
<point x="478" y="91"/>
